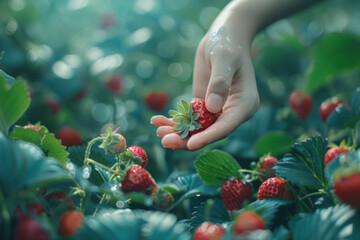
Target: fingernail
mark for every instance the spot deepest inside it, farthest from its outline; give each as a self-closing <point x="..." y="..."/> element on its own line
<point x="214" y="103"/>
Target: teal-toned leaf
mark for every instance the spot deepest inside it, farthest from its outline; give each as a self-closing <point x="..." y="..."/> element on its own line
<point x="196" y="116"/>
<point x="24" y="165"/>
<point x="355" y="102"/>
<point x="186" y="106"/>
<point x="1" y="54"/>
<point x="335" y="54"/>
<point x="179" y="126"/>
<point x="339" y="118"/>
<point x="333" y="223"/>
<point x="110" y="226"/>
<point x="8" y="79"/>
<point x="293" y="170"/>
<point x="267" y="208"/>
<point x="305" y="165"/>
<point x="214" y="167"/>
<point x="173" y="113"/>
<point x="13" y="103"/>
<point x="181" y="109"/>
<point x="276" y="143"/>
<point x="351" y="123"/>
<point x="212" y="211"/>
<point x="26" y="135"/>
<point x="52" y="146"/>
<point x="185" y="132"/>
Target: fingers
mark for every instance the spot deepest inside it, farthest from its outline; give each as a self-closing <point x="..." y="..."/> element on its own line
<point x="160" y="120"/>
<point x="174" y="141"/>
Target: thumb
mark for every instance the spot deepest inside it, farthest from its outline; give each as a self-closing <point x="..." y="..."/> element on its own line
<point x="222" y="73"/>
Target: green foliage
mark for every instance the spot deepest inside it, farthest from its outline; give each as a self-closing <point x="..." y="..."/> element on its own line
<point x="13" y="103"/>
<point x="305" y="165"/>
<point x="23" y="165"/>
<point x="214" y="167"/>
<point x="276" y="143"/>
<point x="339" y="222"/>
<point x="335" y="54"/>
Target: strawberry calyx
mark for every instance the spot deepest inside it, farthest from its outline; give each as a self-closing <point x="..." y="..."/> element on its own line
<point x="186" y="118"/>
<point x="113" y="142"/>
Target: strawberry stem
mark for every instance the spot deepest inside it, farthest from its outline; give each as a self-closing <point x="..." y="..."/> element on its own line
<point x="208" y="207"/>
<point x="319" y="192"/>
<point x="88" y="160"/>
<point x="87" y="151"/>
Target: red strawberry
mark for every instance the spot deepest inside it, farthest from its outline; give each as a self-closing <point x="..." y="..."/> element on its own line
<point x="234" y="193"/>
<point x="119" y="146"/>
<point x="156" y="101"/>
<point x="334" y="152"/>
<point x="265" y="167"/>
<point x="209" y="231"/>
<point x="70" y="222"/>
<point x="248" y="221"/>
<point x="32" y="127"/>
<point x="192" y="117"/>
<point x="329" y="105"/>
<point x="347" y="188"/>
<point x="37" y="208"/>
<point x="138" y="179"/>
<point x="163" y="199"/>
<point x="301" y="103"/>
<point x="53" y="104"/>
<point x="58" y="197"/>
<point x="29" y="229"/>
<point x="69" y="136"/>
<point x="274" y="187"/>
<point x="140" y="153"/>
<point x="114" y="84"/>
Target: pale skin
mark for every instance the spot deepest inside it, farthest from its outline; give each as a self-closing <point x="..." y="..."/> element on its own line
<point x="223" y="69"/>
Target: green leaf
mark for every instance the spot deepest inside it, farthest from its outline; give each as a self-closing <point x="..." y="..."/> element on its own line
<point x="181" y="109"/>
<point x="186" y="105"/>
<point x="214" y="167"/>
<point x="52" y="146"/>
<point x="305" y="165"/>
<point x="335" y="54"/>
<point x="339" y="118"/>
<point x="24" y="165"/>
<point x="179" y="126"/>
<point x="355" y="102"/>
<point x="13" y="103"/>
<point x="333" y="223"/>
<point x="1" y="54"/>
<point x="173" y="113"/>
<point x="26" y="135"/>
<point x="276" y="143"/>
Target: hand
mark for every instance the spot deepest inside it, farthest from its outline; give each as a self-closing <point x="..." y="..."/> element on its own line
<point x="224" y="77"/>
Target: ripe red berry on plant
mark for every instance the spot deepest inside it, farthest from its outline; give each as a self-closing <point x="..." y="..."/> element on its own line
<point x="192" y="117"/>
<point x="70" y="222"/>
<point x="335" y="151"/>
<point x="139" y="153"/>
<point x="113" y="143"/>
<point x="29" y="229"/>
<point x="209" y="231"/>
<point x="329" y="105"/>
<point x="234" y="192"/>
<point x="58" y="197"/>
<point x="274" y="187"/>
<point x="265" y="167"/>
<point x="156" y="101"/>
<point x="248" y="221"/>
<point x="347" y="187"/>
<point x="114" y="84"/>
<point x="69" y="136"/>
<point x="301" y="103"/>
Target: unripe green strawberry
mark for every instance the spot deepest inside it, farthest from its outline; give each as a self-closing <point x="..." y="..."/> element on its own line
<point x="70" y="222"/>
<point x="114" y="143"/>
<point x="137" y="179"/>
<point x="265" y="167"/>
<point x="209" y="231"/>
<point x="140" y="153"/>
<point x="248" y="221"/>
<point x="29" y="229"/>
<point x="234" y="193"/>
<point x="274" y="187"/>
<point x="301" y="103"/>
<point x="334" y="152"/>
<point x="347" y="189"/>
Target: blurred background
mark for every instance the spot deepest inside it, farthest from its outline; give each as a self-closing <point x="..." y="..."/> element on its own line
<point x="91" y="64"/>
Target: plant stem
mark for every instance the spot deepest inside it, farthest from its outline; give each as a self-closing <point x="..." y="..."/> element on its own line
<point x="87" y="152"/>
<point x="88" y="160"/>
<point x="5" y="216"/>
<point x="252" y="172"/>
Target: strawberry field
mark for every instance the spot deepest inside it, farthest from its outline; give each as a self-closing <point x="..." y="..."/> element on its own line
<point x="80" y="81"/>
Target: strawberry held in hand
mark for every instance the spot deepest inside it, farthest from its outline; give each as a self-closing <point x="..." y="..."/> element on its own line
<point x="192" y="117"/>
<point x="156" y="101"/>
<point x="328" y="106"/>
<point x="274" y="187"/>
<point x="301" y="103"/>
<point x="234" y="193"/>
<point x="209" y="231"/>
<point x="248" y="221"/>
<point x="138" y="179"/>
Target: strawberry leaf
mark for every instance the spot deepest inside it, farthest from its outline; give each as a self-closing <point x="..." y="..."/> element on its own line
<point x="276" y="143"/>
<point x="52" y="146"/>
<point x="23" y="165"/>
<point x="339" y="222"/>
<point x="13" y="103"/>
<point x="305" y="165"/>
<point x="340" y="118"/>
<point x="26" y="135"/>
<point x="173" y="113"/>
<point x="214" y="167"/>
<point x="355" y="102"/>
